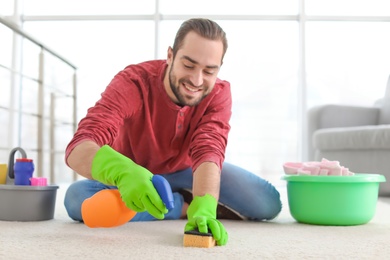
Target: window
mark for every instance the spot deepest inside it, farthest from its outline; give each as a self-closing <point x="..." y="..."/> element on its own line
<point x="348" y="7"/>
<point x="88" y="7"/>
<point x="342" y="46"/>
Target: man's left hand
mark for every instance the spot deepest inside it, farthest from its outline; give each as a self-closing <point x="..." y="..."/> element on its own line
<point x="202" y="215"/>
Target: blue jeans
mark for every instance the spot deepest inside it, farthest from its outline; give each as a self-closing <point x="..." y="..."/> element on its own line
<point x="246" y="193"/>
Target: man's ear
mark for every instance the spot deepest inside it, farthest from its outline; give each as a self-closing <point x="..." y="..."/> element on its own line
<point x="169" y="55"/>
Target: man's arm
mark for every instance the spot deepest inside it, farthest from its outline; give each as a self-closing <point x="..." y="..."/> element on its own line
<point x="207" y="180"/>
<point x="202" y="212"/>
<point x="81" y="157"/>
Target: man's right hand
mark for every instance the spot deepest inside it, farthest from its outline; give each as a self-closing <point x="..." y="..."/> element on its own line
<point x="134" y="182"/>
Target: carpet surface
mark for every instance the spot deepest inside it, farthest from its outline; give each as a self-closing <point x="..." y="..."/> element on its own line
<point x="282" y="238"/>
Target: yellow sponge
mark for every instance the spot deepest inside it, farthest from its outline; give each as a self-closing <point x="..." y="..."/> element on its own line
<point x="194" y="238"/>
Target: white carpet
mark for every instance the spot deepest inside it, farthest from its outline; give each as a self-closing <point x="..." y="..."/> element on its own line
<point x="283" y="238"/>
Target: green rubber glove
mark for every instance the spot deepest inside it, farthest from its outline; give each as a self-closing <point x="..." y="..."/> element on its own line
<point x="134" y="182"/>
<point x="202" y="214"/>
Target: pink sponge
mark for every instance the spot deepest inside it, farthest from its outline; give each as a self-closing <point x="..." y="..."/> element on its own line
<point x="325" y="167"/>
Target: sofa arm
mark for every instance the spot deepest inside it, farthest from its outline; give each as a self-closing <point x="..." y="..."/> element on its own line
<point x="329" y="116"/>
<point x="352" y="138"/>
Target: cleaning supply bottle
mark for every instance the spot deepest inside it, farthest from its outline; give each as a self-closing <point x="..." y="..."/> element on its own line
<point x="23" y="171"/>
<point x="106" y="208"/>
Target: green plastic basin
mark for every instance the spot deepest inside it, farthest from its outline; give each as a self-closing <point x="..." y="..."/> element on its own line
<point x="333" y="200"/>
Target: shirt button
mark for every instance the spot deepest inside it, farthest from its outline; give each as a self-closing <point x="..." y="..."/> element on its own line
<point x="181" y="113"/>
<point x="179" y="126"/>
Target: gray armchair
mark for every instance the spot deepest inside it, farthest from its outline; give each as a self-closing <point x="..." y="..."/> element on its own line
<point x="358" y="137"/>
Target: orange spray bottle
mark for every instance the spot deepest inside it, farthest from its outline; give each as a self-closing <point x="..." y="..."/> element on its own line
<point x="106" y="208"/>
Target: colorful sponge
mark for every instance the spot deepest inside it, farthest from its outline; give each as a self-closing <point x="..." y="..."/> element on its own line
<point x="194" y="238"/>
<point x="325" y="167"/>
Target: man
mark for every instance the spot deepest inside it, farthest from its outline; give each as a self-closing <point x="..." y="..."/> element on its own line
<point x="169" y="117"/>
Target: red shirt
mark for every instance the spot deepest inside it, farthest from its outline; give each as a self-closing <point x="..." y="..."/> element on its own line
<point x="136" y="117"/>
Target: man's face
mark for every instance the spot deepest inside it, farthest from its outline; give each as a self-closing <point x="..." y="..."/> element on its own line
<point x="193" y="71"/>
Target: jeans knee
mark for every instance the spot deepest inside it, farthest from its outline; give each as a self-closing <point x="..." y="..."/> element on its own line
<point x="275" y="206"/>
<point x="72" y="203"/>
<point x="77" y="192"/>
<point x="270" y="204"/>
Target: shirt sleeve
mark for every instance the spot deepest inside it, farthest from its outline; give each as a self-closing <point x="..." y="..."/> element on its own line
<point x="209" y="141"/>
<point x="120" y="100"/>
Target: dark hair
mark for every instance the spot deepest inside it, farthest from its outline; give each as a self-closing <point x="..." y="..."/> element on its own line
<point x="203" y="27"/>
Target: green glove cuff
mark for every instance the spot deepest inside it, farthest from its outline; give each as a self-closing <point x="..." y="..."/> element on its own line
<point x="108" y="165"/>
<point x="203" y="206"/>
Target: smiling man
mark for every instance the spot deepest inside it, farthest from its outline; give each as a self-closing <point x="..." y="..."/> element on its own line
<point x="198" y="64"/>
<point x="169" y="117"/>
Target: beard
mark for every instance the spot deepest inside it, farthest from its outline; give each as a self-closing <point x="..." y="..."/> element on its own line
<point x="183" y="98"/>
